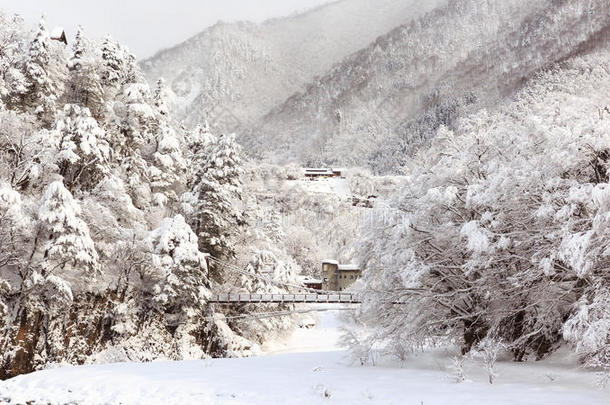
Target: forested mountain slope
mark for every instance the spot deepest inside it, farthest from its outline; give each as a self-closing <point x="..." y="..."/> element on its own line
<point x="233" y="74"/>
<point x="377" y="106"/>
<point x="114" y="218"/>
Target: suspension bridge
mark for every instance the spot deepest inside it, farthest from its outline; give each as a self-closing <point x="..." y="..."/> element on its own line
<point x="323" y="297"/>
<point x="302" y="295"/>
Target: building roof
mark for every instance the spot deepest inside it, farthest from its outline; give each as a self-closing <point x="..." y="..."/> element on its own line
<point x="330" y="261"/>
<point x="318" y="171"/>
<point x="57" y="32"/>
<point x="349" y="267"/>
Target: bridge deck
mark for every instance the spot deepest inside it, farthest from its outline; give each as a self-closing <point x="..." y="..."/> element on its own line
<point x="338" y="298"/>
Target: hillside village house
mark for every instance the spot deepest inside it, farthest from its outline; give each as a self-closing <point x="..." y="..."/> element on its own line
<point x="313" y="173"/>
<point x="339" y="277"/>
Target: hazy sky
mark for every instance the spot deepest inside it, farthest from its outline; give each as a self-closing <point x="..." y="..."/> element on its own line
<point x="147" y="26"/>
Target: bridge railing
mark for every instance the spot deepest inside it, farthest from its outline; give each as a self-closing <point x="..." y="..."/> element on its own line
<point x="333" y="298"/>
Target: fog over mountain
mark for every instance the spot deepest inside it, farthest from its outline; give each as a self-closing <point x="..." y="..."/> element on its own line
<point x="233" y="73"/>
<point x="377" y="106"/>
<point x="147" y="26"/>
<point x="360" y="84"/>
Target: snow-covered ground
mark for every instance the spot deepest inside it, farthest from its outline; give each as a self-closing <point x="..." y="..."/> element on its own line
<point x="333" y="185"/>
<point x="307" y="368"/>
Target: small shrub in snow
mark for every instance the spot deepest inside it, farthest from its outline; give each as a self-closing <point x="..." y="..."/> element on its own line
<point x="322" y="390"/>
<point x="457" y="369"/>
<point x="488" y="350"/>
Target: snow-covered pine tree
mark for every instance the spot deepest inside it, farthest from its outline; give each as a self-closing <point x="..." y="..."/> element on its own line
<point x="198" y="147"/>
<point x="83" y="152"/>
<point x="199" y="144"/>
<point x="273" y="227"/>
<point x="13" y="45"/>
<point x="69" y="245"/>
<point x="137" y="174"/>
<point x="216" y="186"/>
<point x="168" y="169"/>
<point x="257" y="270"/>
<point x="161" y="98"/>
<point x="113" y="65"/>
<point x="136" y="120"/>
<point x="169" y="166"/>
<point x="84" y="83"/>
<point x="43" y="90"/>
<point x="132" y="73"/>
<point x="78" y="50"/>
<point x="183" y="288"/>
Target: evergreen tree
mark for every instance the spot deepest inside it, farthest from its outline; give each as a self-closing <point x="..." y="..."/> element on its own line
<point x="113" y="64"/>
<point x="13" y="83"/>
<point x="199" y="142"/>
<point x="69" y="243"/>
<point x="216" y="186"/>
<point x="137" y="121"/>
<point x="161" y="98"/>
<point x="254" y="281"/>
<point x="83" y="153"/>
<point x="199" y="145"/>
<point x="184" y="282"/>
<point x="85" y="87"/>
<point x="78" y="50"/>
<point x="131" y="73"/>
<point x="137" y="174"/>
<point x="169" y="166"/>
<point x="43" y="91"/>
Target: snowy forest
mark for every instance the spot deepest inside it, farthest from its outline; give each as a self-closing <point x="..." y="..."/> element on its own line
<point x="111" y="212"/>
<point x="499" y="235"/>
<point x="476" y="200"/>
<point x="117" y="222"/>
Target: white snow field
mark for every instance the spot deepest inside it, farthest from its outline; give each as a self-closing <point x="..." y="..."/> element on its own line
<point x="333" y="186"/>
<point x="311" y="369"/>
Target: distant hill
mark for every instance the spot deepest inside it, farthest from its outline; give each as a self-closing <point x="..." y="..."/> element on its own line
<point x="378" y="105"/>
<point x="363" y="83"/>
<point x="233" y="74"/>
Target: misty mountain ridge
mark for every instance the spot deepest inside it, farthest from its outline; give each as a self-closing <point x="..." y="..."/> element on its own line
<point x="368" y="100"/>
<point x="234" y="73"/>
<point x="377" y="106"/>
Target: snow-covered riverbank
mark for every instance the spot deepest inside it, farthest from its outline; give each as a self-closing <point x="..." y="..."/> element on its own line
<point x="307" y="368"/>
